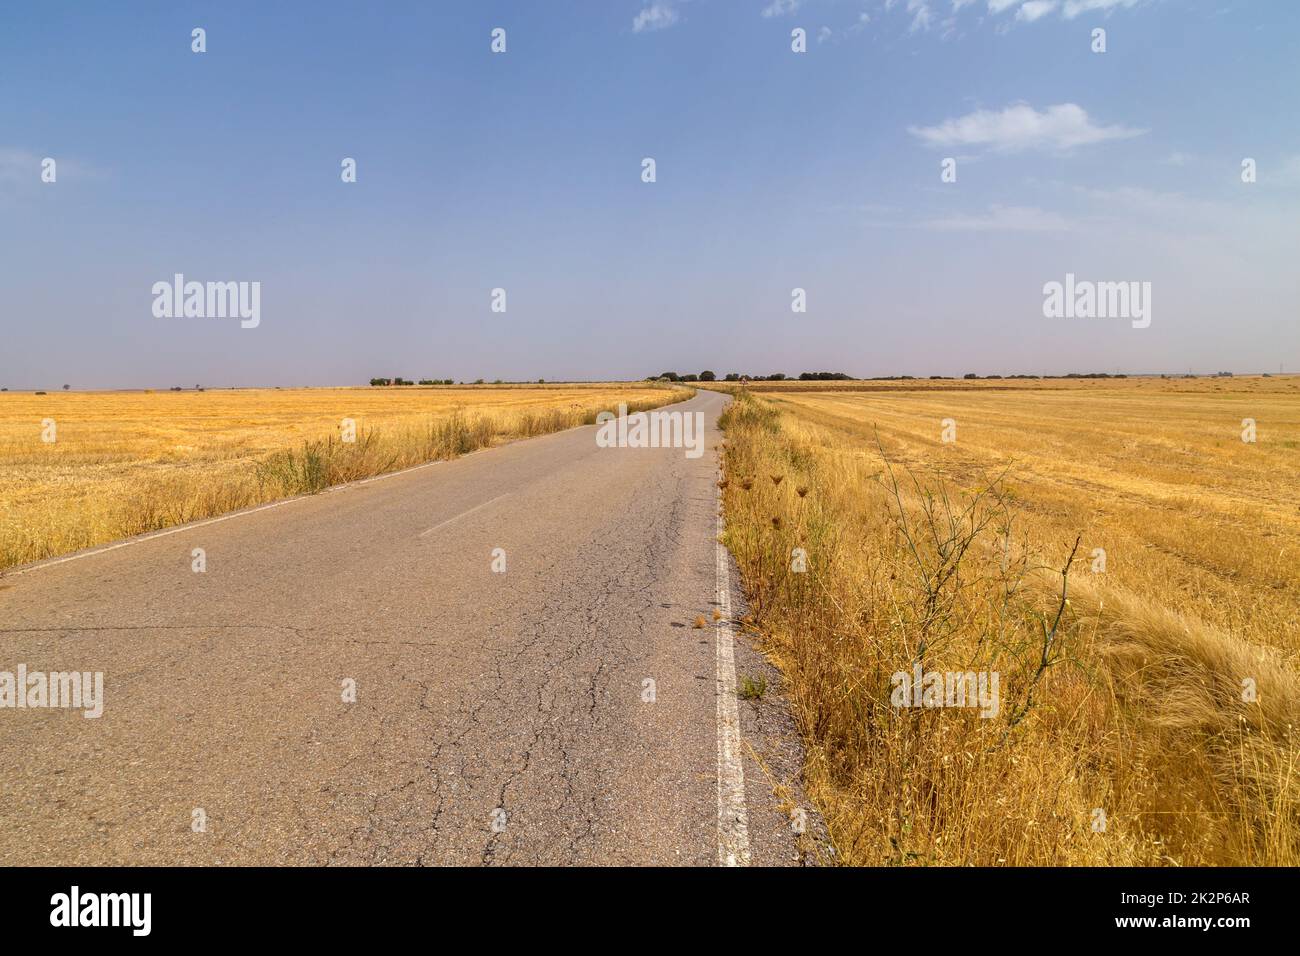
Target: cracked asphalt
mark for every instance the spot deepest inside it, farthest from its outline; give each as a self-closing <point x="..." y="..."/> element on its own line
<point x="499" y="717"/>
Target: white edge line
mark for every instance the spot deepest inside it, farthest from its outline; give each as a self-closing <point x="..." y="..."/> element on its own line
<point x="733" y="819"/>
<point x="192" y="525"/>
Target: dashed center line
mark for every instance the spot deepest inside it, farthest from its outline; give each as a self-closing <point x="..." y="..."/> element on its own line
<point x="463" y="514"/>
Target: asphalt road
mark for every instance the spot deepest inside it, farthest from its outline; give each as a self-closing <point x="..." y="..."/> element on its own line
<point x="499" y="718"/>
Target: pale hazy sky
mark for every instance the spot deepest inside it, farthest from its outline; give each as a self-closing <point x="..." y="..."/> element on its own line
<point x="522" y="170"/>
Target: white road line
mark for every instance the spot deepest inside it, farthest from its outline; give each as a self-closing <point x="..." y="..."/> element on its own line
<point x="190" y="526"/>
<point x="140" y="539"/>
<point x="153" y="534"/>
<point x="733" y="819"/>
<point x="463" y="514"/>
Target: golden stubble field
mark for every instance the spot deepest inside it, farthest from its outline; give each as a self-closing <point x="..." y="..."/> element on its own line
<point x="1162" y="702"/>
<point x="123" y="463"/>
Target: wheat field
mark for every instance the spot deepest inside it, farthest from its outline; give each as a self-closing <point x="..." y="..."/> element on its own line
<point x="124" y="463"/>
<point x="1150" y="684"/>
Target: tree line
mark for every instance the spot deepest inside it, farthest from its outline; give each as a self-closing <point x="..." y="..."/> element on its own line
<point x="708" y="376"/>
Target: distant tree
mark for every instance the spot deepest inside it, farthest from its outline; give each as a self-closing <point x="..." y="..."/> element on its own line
<point x="66" y="387"/>
<point x="670" y="376"/>
<point x="970" y="375"/>
<point x="732" y="377"/>
<point x="692" y="377"/>
<point x="707" y="376"/>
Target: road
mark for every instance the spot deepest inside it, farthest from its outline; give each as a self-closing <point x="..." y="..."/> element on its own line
<point x="499" y="717"/>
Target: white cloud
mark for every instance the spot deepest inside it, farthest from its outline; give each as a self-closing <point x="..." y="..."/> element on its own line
<point x="1020" y="127"/>
<point x="781" y="8"/>
<point x="1075" y="7"/>
<point x="824" y="34"/>
<point x="1171" y="210"/>
<point x="921" y="15"/>
<point x="657" y="16"/>
<point x="1232" y="221"/>
<point x="1002" y="15"/>
<point x="1032" y="10"/>
<point x="1002" y="219"/>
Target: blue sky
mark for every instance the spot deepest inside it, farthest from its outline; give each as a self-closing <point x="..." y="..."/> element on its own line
<point x="522" y="171"/>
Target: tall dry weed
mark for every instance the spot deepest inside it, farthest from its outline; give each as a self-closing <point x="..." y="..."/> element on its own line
<point x="1121" y="738"/>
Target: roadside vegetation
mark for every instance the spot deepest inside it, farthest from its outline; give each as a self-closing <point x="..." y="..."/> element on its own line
<point x="125" y="463"/>
<point x="1113" y="551"/>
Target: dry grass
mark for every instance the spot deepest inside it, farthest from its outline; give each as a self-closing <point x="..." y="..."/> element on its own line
<point x="131" y="462"/>
<point x="951" y="555"/>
